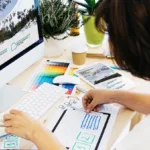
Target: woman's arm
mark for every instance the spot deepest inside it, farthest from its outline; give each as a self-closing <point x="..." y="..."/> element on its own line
<point x="44" y="139"/>
<point x="21" y="125"/>
<point x="135" y="101"/>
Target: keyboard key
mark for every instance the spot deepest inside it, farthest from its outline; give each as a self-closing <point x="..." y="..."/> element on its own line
<point x="37" y="103"/>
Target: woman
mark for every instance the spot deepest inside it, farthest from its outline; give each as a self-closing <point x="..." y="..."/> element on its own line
<point x="128" y="26"/>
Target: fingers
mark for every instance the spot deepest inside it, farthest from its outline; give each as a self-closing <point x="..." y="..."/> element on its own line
<point x="15" y="112"/>
<point x="8" y="117"/>
<point x="87" y="98"/>
<point x="88" y="101"/>
<point x="84" y="103"/>
<point x="11" y="115"/>
<point x="97" y="108"/>
<point x="11" y="119"/>
<point x="8" y="124"/>
<point x="10" y="130"/>
<point x="91" y="106"/>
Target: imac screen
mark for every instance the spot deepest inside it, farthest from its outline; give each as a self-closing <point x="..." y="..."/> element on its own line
<point x="20" y="29"/>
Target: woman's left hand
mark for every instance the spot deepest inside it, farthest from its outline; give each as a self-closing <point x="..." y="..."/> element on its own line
<point x="20" y="124"/>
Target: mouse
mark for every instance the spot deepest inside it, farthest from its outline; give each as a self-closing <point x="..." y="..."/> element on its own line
<point x="66" y="79"/>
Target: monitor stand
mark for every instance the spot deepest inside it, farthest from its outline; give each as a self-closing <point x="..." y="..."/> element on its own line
<point x="8" y="96"/>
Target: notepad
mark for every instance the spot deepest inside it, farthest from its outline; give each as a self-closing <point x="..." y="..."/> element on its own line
<point x="76" y="129"/>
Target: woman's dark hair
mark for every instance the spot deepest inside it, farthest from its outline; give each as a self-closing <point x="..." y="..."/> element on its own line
<point x="128" y="26"/>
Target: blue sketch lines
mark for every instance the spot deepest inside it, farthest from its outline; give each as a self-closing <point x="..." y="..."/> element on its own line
<point x="91" y="122"/>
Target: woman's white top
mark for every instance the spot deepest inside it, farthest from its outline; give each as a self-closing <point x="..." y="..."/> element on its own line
<point x="138" y="138"/>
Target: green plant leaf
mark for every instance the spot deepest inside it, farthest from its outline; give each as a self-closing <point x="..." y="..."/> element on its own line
<point x="57" y="17"/>
<point x="91" y="3"/>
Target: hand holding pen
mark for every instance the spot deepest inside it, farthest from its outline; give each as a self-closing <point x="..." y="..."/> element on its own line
<point x="93" y="98"/>
<point x="87" y="100"/>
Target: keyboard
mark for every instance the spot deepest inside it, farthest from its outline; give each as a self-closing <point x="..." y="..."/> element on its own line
<point x="37" y="103"/>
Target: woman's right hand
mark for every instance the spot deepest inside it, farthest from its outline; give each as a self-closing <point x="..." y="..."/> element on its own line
<point x="93" y="98"/>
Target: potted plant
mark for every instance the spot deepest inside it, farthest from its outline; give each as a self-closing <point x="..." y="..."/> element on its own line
<point x="57" y="18"/>
<point x="93" y="37"/>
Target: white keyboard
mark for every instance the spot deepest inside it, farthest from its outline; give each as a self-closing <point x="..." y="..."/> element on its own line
<point x="40" y="101"/>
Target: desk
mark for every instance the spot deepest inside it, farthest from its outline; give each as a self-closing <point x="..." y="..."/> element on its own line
<point x="124" y="116"/>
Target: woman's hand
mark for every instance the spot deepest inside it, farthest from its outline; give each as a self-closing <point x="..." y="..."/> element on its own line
<point x="20" y="124"/>
<point x="93" y="98"/>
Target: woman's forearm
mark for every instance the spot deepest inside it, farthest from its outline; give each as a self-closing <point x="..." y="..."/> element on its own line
<point x="134" y="101"/>
<point x="44" y="139"/>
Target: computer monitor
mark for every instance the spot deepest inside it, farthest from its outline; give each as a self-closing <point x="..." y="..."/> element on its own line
<point x="21" y="44"/>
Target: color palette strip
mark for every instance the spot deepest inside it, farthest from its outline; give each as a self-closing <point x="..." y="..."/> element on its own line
<point x="71" y="87"/>
<point x="47" y="71"/>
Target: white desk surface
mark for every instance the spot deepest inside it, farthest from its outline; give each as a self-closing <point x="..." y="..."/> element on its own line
<point x="124" y="116"/>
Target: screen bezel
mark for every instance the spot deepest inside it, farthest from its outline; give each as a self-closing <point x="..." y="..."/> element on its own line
<point x="25" y="51"/>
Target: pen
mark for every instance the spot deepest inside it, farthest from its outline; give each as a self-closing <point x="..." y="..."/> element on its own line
<point x="2" y="125"/>
<point x="3" y="136"/>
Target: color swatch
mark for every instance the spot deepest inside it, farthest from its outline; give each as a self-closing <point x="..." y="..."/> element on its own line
<point x="71" y="87"/>
<point x="46" y="72"/>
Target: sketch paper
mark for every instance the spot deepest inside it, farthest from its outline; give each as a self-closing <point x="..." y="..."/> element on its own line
<point x="83" y="131"/>
<point x="103" y="77"/>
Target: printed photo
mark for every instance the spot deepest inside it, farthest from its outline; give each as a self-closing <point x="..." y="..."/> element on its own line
<point x="95" y="73"/>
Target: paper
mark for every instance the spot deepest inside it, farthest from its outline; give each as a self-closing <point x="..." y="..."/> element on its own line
<point x="47" y="71"/>
<point x="34" y="148"/>
<point x="78" y="130"/>
<point x="11" y="142"/>
<point x="73" y="124"/>
<point x="117" y="83"/>
<point x="67" y="103"/>
<point x="103" y="77"/>
<point x="113" y="110"/>
<point x="83" y="123"/>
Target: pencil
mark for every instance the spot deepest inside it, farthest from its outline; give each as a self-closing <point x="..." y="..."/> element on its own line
<point x="3" y="136"/>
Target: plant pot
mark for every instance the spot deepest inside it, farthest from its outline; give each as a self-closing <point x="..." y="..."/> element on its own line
<point x="93" y="37"/>
<point x="55" y="48"/>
